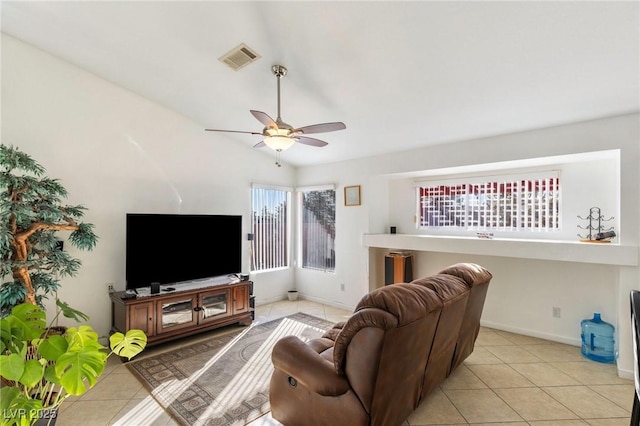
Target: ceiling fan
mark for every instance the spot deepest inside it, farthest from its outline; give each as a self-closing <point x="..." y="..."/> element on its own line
<point x="279" y="135"/>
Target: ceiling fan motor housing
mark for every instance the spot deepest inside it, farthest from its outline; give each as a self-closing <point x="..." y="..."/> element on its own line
<point x="279" y="71"/>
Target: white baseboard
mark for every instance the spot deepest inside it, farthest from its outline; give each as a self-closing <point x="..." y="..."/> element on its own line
<point x="573" y="341"/>
<point x="326" y="302"/>
<point x="626" y="374"/>
<point x="260" y="302"/>
<point x="338" y="305"/>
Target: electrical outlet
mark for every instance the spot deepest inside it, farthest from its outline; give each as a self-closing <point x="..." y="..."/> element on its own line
<point x="110" y="288"/>
<point x="556" y="312"/>
<point x="342" y="287"/>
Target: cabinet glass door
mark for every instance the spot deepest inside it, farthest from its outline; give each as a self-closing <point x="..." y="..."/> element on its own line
<point x="176" y="313"/>
<point x="214" y="305"/>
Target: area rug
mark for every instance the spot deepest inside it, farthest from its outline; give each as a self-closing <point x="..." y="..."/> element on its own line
<point x="223" y="380"/>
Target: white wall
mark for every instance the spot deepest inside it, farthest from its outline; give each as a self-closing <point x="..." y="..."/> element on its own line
<point x="351" y="222"/>
<point x="523" y="291"/>
<point x="117" y="152"/>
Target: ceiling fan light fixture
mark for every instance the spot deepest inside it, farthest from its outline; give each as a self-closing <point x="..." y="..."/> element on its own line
<point x="279" y="143"/>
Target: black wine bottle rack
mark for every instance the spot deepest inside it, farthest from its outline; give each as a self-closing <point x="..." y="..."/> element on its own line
<point x="597" y="231"/>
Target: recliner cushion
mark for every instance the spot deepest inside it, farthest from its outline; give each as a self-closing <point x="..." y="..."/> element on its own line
<point x="407" y="302"/>
<point x="471" y="273"/>
<point x="395" y="306"/>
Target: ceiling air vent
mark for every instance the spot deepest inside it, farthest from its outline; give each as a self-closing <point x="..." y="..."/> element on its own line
<point x="239" y="56"/>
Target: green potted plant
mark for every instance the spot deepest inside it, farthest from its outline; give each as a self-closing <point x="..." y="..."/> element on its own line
<point x="31" y="213"/>
<point x="39" y="370"/>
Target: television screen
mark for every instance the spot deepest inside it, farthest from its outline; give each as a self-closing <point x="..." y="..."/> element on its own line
<point x="171" y="248"/>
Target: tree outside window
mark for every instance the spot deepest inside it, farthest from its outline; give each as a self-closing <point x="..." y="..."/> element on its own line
<point x="318" y="229"/>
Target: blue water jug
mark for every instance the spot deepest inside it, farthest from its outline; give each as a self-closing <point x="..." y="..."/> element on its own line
<point x="598" y="342"/>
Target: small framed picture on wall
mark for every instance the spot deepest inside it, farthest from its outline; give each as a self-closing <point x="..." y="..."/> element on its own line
<point x="352" y="195"/>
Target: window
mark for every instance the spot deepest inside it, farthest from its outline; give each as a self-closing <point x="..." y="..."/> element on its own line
<point x="318" y="228"/>
<point x="270" y="227"/>
<point x="519" y="203"/>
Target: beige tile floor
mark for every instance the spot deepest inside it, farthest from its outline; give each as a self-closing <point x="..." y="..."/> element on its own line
<point x="509" y="380"/>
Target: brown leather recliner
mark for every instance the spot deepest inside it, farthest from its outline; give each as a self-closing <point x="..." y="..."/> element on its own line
<point x="375" y="368"/>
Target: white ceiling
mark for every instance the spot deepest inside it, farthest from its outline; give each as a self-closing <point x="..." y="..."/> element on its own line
<point x="400" y="75"/>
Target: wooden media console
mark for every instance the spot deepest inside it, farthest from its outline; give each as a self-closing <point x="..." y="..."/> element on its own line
<point x="177" y="313"/>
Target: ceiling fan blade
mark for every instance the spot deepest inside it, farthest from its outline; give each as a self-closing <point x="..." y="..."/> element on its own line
<point x="260" y="144"/>
<point x="232" y="131"/>
<point x="264" y="119"/>
<point x="321" y="128"/>
<point x="311" y="141"/>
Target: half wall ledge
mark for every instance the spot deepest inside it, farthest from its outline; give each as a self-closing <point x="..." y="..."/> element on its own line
<point x="557" y="250"/>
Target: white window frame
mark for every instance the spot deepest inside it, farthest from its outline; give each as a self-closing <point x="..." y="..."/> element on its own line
<point x="271" y="257"/>
<point x="330" y="245"/>
<point x="537" y="210"/>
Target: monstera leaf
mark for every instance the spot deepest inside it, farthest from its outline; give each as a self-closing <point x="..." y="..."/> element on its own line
<point x="53" y="347"/>
<point x="33" y="372"/>
<point x="26" y="322"/>
<point x="74" y="367"/>
<point x="69" y="312"/>
<point x="17" y="409"/>
<point x="82" y="337"/>
<point x="12" y="366"/>
<point x="128" y="345"/>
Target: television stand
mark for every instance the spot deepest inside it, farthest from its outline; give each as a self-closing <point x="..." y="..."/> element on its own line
<point x="172" y="315"/>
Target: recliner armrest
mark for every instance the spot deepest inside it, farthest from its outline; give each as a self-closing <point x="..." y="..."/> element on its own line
<point x="298" y="360"/>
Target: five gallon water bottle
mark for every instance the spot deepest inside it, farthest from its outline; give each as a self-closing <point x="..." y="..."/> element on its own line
<point x="598" y="342"/>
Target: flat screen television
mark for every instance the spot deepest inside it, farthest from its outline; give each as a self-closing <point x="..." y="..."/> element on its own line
<point x="172" y="248"/>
